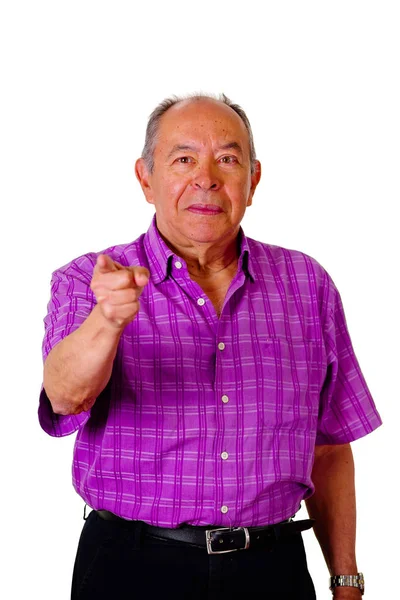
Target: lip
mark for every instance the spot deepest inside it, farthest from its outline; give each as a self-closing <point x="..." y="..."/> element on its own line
<point x="205" y="209"/>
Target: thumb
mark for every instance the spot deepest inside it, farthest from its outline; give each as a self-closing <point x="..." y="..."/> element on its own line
<point x="141" y="275"/>
<point x="105" y="264"/>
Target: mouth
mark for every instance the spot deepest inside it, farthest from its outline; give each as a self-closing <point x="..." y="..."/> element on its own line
<point x="205" y="209"/>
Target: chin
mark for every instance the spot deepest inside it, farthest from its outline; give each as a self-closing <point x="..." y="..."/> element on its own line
<point x="207" y="237"/>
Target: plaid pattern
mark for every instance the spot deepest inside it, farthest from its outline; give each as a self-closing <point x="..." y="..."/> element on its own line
<point x="207" y="420"/>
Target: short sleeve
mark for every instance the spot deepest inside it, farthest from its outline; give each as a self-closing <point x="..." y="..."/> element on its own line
<point x="347" y="410"/>
<point x="70" y="304"/>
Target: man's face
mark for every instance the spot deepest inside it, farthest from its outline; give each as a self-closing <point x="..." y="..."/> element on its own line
<point x="201" y="182"/>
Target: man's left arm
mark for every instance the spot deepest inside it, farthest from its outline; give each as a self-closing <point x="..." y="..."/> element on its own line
<point x="333" y="506"/>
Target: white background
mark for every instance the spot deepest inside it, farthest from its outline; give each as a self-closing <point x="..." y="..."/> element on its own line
<point x="320" y="83"/>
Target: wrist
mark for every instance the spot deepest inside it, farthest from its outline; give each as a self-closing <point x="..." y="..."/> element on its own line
<point x="346" y="593"/>
<point x="104" y="326"/>
<point x="351" y="594"/>
<point x="350" y="586"/>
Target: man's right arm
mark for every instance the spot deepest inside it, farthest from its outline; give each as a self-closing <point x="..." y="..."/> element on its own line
<point x="79" y="367"/>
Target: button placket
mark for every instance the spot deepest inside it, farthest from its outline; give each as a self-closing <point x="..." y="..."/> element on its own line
<point x="224" y="469"/>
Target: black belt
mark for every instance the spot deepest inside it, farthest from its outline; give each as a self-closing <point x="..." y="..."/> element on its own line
<point x="221" y="539"/>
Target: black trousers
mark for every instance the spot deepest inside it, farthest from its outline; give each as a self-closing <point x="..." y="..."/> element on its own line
<point x="119" y="561"/>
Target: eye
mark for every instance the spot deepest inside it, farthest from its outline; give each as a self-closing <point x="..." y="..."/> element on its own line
<point x="229" y="160"/>
<point x="184" y="160"/>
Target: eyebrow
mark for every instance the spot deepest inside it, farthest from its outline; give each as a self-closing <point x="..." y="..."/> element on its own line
<point x="180" y="148"/>
<point x="183" y="147"/>
<point x="232" y="146"/>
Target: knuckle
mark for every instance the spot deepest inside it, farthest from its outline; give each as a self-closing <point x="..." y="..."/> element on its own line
<point x="126" y="278"/>
<point x="135" y="295"/>
<point x="101" y="294"/>
<point x="110" y="312"/>
<point x="133" y="309"/>
<point x="107" y="310"/>
<point x="93" y="283"/>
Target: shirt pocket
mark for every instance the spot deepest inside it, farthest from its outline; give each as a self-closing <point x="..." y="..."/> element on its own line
<point x="293" y="372"/>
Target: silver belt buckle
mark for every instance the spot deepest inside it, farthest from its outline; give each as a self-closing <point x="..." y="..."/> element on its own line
<point x="209" y="540"/>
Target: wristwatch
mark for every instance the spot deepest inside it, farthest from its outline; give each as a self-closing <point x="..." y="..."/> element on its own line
<point x="356" y="581"/>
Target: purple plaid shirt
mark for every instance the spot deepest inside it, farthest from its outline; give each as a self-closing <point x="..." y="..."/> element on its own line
<point x="209" y="420"/>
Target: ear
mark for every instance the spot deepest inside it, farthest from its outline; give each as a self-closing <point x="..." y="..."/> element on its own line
<point x="144" y="178"/>
<point x="255" y="180"/>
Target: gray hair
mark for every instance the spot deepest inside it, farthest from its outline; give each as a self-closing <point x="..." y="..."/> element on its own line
<point x="155" y="118"/>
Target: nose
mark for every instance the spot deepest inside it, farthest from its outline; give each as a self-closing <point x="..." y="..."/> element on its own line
<point x="206" y="178"/>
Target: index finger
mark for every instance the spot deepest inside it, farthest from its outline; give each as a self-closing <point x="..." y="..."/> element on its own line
<point x="105" y="264"/>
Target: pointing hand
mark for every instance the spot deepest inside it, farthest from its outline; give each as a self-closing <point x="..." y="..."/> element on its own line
<point x="117" y="289"/>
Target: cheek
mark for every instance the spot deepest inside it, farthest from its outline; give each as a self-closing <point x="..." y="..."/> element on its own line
<point x="167" y="193"/>
<point x="239" y="192"/>
<point x="172" y="186"/>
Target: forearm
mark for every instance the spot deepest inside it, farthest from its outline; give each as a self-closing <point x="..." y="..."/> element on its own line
<point x="78" y="368"/>
<point x="333" y="506"/>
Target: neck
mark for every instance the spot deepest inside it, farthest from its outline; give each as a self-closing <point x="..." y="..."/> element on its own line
<point x="200" y="270"/>
<point x="207" y="260"/>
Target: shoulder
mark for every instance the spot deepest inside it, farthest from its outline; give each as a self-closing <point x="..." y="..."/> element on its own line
<point x="129" y="254"/>
<point x="294" y="274"/>
<point x="287" y="261"/>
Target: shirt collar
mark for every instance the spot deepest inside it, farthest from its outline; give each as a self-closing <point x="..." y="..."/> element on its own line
<point x="160" y="256"/>
<point x="244" y="263"/>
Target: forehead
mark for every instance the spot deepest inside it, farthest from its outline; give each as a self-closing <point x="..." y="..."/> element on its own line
<point x="202" y="121"/>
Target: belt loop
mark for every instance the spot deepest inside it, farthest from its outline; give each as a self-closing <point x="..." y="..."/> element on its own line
<point x="84" y="512"/>
<point x="138" y="531"/>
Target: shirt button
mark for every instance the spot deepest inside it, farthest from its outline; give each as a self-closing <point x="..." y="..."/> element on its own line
<point x="224" y="509"/>
<point x="225" y="399"/>
<point x="201" y="301"/>
<point x="178" y="264"/>
<point x="224" y="455"/>
<point x="221" y="346"/>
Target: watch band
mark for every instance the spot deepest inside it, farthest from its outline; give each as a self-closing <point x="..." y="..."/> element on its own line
<point x="356" y="581"/>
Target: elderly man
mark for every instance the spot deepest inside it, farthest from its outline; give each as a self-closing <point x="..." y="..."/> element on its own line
<point x="212" y="383"/>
